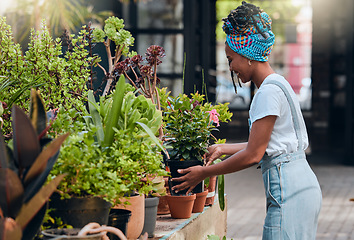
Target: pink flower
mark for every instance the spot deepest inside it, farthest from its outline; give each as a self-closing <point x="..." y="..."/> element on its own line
<point x="213" y="116"/>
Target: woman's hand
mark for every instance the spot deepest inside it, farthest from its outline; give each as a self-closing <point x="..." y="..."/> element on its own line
<point x="214" y="152"/>
<point x="192" y="176"/>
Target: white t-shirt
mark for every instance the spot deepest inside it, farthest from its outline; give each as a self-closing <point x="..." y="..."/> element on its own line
<point x="271" y="100"/>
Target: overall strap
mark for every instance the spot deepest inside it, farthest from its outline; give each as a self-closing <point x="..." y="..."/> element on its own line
<point x="293" y="111"/>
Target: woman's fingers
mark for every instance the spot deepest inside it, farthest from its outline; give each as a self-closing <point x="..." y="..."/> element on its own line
<point x="192" y="176"/>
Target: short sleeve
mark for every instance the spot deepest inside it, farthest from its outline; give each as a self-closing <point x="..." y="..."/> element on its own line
<point x="266" y="102"/>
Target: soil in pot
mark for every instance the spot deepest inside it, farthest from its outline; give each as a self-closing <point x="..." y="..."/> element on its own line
<point x="150" y="215"/>
<point x="181" y="206"/>
<point x="78" y="212"/>
<point x="65" y="233"/>
<point x="174" y="165"/>
<point x="199" y="202"/>
<point x="118" y="218"/>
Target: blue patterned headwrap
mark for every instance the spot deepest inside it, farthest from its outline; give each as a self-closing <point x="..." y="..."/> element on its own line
<point x="250" y="41"/>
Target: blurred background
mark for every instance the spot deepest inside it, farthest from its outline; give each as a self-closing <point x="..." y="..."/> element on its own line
<point x="313" y="50"/>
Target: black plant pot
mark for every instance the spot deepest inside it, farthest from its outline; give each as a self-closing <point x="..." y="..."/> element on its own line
<point x="174" y="165"/>
<point x="78" y="212"/>
<point x="118" y="218"/>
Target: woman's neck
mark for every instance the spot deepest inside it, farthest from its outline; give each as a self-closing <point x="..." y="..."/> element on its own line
<point x="262" y="70"/>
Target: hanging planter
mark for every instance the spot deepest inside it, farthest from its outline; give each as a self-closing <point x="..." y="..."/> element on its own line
<point x="181" y="206"/>
<point x="199" y="202"/>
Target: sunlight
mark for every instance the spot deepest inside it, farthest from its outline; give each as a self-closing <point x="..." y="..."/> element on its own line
<point x="4" y="5"/>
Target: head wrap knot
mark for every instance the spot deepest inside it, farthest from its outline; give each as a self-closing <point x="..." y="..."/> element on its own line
<point x="250" y="37"/>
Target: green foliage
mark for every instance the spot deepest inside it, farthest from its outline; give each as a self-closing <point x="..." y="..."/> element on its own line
<point x="111" y="169"/>
<point x="113" y="30"/>
<point x="110" y="173"/>
<point x="188" y="125"/>
<point x="215" y="237"/>
<point x="61" y="77"/>
<point x="87" y="171"/>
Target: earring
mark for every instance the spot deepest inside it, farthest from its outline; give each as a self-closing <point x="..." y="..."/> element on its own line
<point x="249" y="62"/>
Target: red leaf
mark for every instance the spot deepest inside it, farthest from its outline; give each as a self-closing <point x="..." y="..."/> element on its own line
<point x="11" y="192"/>
<point x="26" y="144"/>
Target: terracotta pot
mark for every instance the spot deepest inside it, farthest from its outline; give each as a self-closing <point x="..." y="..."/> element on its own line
<point x="181" y="206"/>
<point x="199" y="202"/>
<point x="211" y="191"/>
<point x="163" y="208"/>
<point x="137" y="208"/>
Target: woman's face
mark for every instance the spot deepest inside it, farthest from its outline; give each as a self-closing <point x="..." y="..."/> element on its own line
<point x="238" y="64"/>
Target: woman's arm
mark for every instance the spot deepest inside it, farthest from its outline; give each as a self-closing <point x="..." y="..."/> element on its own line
<point x="253" y="152"/>
<point x="217" y="150"/>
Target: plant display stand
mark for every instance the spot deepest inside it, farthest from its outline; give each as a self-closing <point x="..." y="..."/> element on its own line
<point x="212" y="221"/>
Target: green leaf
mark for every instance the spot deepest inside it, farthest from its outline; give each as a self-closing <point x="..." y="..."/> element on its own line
<point x="221" y="193"/>
<point x="96" y="118"/>
<point x="112" y="119"/>
<point x="152" y="136"/>
<point x="213" y="237"/>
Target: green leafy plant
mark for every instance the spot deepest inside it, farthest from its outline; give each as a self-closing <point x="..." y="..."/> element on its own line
<point x="116" y="146"/>
<point x="23" y="172"/>
<point x="60" y="75"/>
<point x="188" y="123"/>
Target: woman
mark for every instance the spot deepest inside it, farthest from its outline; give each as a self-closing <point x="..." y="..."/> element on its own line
<point x="277" y="138"/>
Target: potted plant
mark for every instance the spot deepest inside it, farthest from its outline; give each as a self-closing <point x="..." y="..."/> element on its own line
<point x="23" y="171"/>
<point x="188" y="123"/>
<point x="116" y="146"/>
<point x="188" y="126"/>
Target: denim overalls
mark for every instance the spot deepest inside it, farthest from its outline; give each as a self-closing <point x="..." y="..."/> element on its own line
<point x="293" y="193"/>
